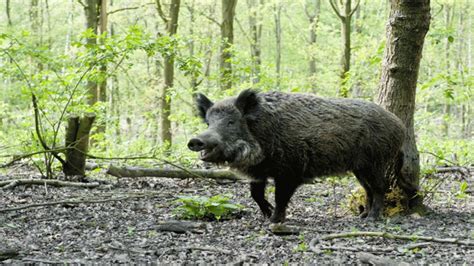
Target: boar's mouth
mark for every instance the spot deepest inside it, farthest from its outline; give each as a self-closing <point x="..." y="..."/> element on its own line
<point x="209" y="155"/>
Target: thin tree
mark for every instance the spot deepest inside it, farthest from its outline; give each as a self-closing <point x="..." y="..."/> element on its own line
<point x="102" y="85"/>
<point x="171" y="21"/>
<point x="345" y="17"/>
<point x="91" y="10"/>
<point x="7" y="10"/>
<point x="277" y="18"/>
<point x="227" y="35"/>
<point x="409" y="22"/>
<point x="312" y="9"/>
<point x="255" y="38"/>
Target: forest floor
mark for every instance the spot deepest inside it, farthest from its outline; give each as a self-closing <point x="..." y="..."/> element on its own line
<point x="124" y="229"/>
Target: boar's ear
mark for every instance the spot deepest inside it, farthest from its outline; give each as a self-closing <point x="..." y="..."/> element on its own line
<point x="203" y="104"/>
<point x="246" y="101"/>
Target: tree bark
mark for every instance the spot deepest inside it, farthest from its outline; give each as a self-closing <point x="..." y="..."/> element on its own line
<point x="168" y="73"/>
<point x="406" y="29"/>
<point x="227" y="35"/>
<point x="92" y="16"/>
<point x="77" y="142"/>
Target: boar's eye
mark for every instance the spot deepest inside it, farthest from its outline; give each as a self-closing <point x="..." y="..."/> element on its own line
<point x="231" y="122"/>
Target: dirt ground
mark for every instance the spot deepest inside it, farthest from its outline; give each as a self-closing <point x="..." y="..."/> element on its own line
<point x="124" y="230"/>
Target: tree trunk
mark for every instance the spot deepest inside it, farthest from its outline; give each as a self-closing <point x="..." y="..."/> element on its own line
<point x="447" y="47"/>
<point x="192" y="46"/>
<point x="77" y="140"/>
<point x="345" y="18"/>
<point x="92" y="16"/>
<point x="406" y="29"/>
<point x="227" y="35"/>
<point x="102" y="86"/>
<point x="313" y="17"/>
<point x="168" y="73"/>
<point x="7" y="10"/>
<point x="277" y="17"/>
<point x="256" y="35"/>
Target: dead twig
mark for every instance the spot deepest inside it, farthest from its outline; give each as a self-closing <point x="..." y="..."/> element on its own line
<point x="314" y="241"/>
<point x="52" y="182"/>
<point x="202" y="248"/>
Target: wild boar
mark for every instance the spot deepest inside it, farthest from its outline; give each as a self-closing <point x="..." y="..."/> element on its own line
<point x="295" y="137"/>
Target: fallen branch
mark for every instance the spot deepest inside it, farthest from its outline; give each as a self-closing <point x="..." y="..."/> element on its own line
<point x="8" y="253"/>
<point x="201" y="248"/>
<point x="314" y="241"/>
<point x="171" y="173"/>
<point x="371" y="259"/>
<point x="68" y="202"/>
<point x="464" y="170"/>
<point x="51" y="182"/>
<point x="179" y="227"/>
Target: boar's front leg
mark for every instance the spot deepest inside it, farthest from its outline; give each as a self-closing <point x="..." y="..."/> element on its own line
<point x="257" y="190"/>
<point x="283" y="192"/>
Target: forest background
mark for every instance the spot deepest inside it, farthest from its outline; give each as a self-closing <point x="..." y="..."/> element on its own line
<point x="121" y="71"/>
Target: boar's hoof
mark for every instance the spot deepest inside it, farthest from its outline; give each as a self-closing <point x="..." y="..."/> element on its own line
<point x="267" y="212"/>
<point x="373" y="216"/>
<point x="364" y="214"/>
<point x="277" y="218"/>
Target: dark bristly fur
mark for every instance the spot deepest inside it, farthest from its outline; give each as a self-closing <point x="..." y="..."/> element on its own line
<point x="293" y="137"/>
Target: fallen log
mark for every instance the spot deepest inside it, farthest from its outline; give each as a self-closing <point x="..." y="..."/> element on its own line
<point x="125" y="171"/>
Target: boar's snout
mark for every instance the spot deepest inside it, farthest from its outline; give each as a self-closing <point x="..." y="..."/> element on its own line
<point x="196" y="144"/>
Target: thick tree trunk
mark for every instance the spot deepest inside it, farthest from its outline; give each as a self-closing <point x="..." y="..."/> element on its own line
<point x="92" y="16"/>
<point x="165" y="100"/>
<point x="227" y="35"/>
<point x="406" y="29"/>
<point x="77" y="140"/>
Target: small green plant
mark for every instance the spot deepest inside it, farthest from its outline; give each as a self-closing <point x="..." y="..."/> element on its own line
<point x="131" y="230"/>
<point x="199" y="207"/>
<point x="302" y="246"/>
<point x="461" y="193"/>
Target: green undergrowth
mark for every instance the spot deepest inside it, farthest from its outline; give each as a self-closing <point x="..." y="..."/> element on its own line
<point x="218" y="207"/>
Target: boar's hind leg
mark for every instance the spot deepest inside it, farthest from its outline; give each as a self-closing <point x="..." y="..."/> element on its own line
<point x="375" y="186"/>
<point x="283" y="192"/>
<point x="257" y="190"/>
<point x="368" y="193"/>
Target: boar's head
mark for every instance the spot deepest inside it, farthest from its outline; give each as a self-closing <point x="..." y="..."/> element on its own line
<point x="228" y="138"/>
